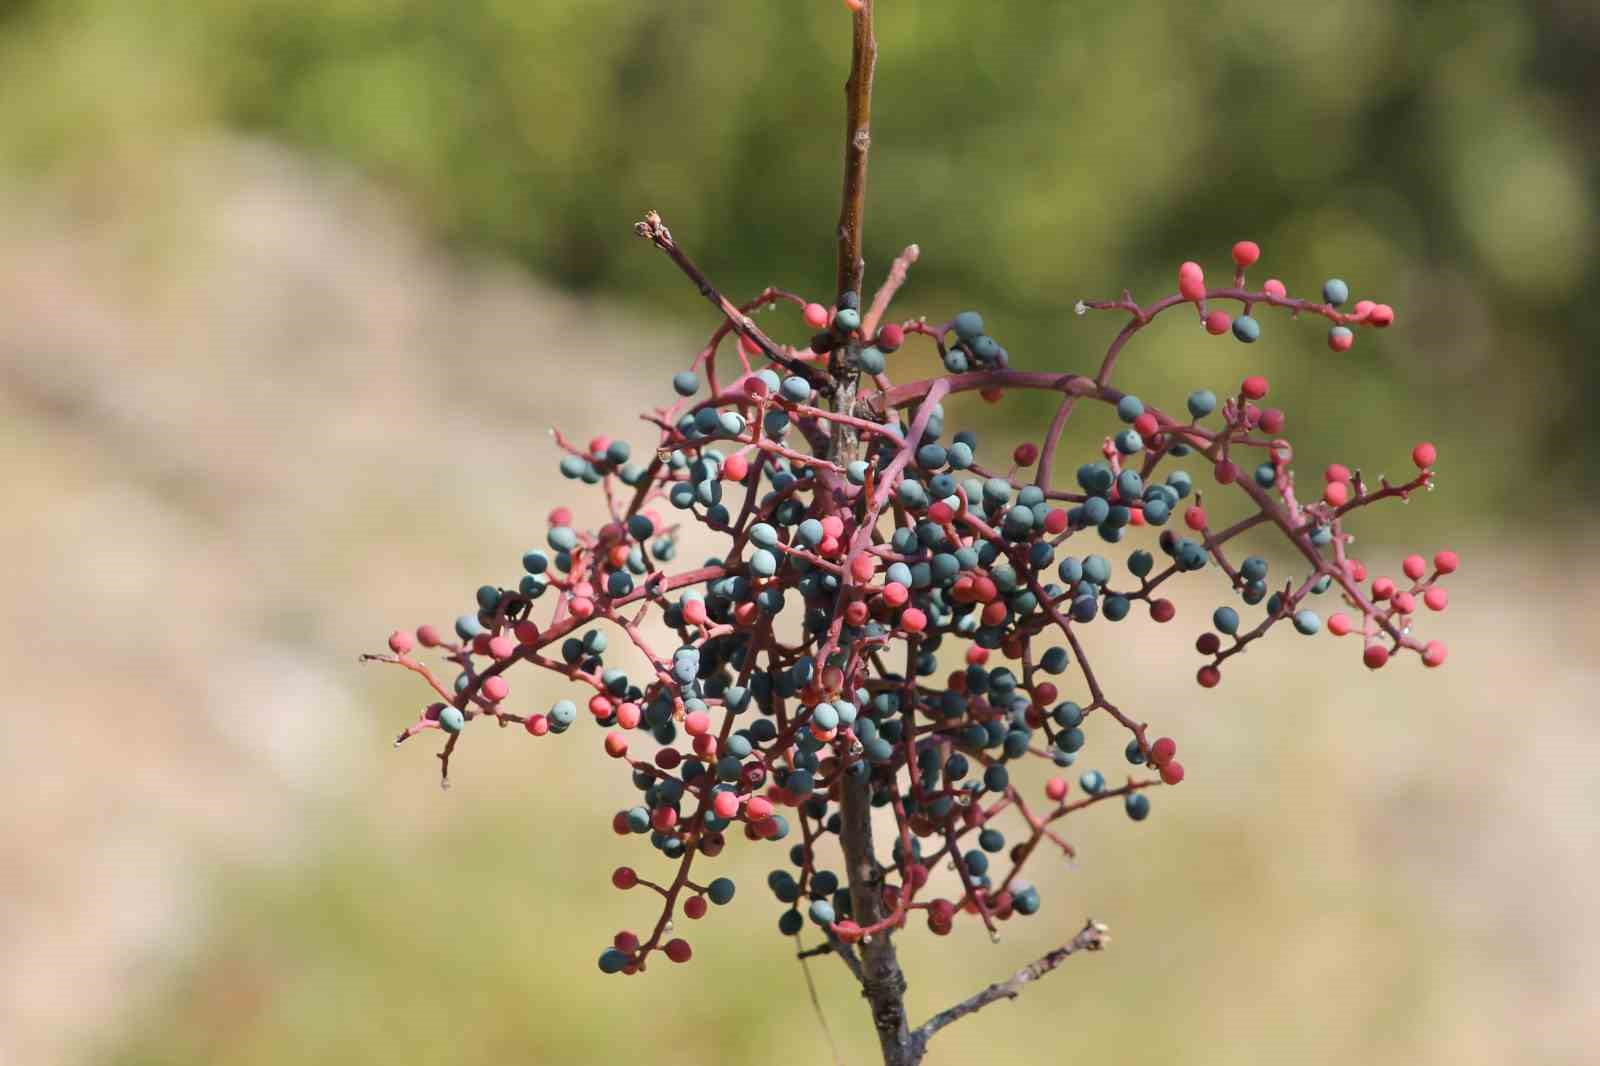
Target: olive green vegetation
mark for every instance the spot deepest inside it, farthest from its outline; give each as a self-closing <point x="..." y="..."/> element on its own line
<point x="1038" y="152"/>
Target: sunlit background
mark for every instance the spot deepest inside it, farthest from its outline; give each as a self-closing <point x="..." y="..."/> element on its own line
<point x="291" y="291"/>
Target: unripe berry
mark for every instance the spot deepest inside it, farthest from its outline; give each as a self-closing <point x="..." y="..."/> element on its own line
<point x="495" y="688"/>
<point x="1424" y="455"/>
<point x="1436" y="598"/>
<point x="1434" y="654"/>
<point x="815" y="315"/>
<point x="1275" y="288"/>
<point x="427" y="636"/>
<point x="1218" y="322"/>
<point x="1254" y="387"/>
<point x="1339" y="624"/>
<point x="1340" y="338"/>
<point x="1191" y="281"/>
<point x="1381" y="316"/>
<point x="1055" y="789"/>
<point x="1245" y="253"/>
<point x="400" y="642"/>
<point x="1414" y="566"/>
<point x="1446" y="562"/>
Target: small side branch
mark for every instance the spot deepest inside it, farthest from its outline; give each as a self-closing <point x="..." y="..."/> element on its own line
<point x="1092" y="937"/>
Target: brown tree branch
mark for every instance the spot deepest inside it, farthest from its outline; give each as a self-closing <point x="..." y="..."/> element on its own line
<point x="1092" y="937"/>
<point x="857" y="141"/>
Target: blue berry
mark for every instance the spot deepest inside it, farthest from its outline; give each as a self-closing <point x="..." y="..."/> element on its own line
<point x="1129" y="408"/>
<point x="1335" y="291"/>
<point x="451" y="720"/>
<point x="720" y="891"/>
<point x="796" y="389"/>
<point x="967" y="325"/>
<point x="847" y="320"/>
<point x="871" y="361"/>
<point x="684" y="383"/>
<point x="1226" y="619"/>
<point x="1093" y="782"/>
<point x="1202" y="402"/>
<point x="1246" y="329"/>
<point x="1137" y="805"/>
<point x="1307" y="622"/>
<point x="1266" y="475"/>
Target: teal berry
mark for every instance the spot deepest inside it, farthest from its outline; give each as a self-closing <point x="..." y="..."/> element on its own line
<point x="684" y="383"/>
<point x="1116" y="608"/>
<point x="857" y="472"/>
<point x="1137" y="805"/>
<point x="573" y="466"/>
<point x="1141" y="562"/>
<point x="968" y="325"/>
<point x="959" y="455"/>
<point x="720" y="891"/>
<point x="985" y="349"/>
<point x="563" y="713"/>
<point x="488" y="597"/>
<point x="822" y="912"/>
<point x="563" y="538"/>
<point x="451" y="720"/>
<point x="468" y="626"/>
<point x="1133" y="753"/>
<point x="612" y="960"/>
<point x="1226" y="619"/>
<point x="1266" y="475"/>
<point x="535" y="562"/>
<point x="796" y="389"/>
<point x="955" y="361"/>
<point x="790" y="923"/>
<point x="847" y="320"/>
<point x="871" y="361"/>
<point x="1129" y="408"/>
<point x="1307" y="622"/>
<point x="1054" y="661"/>
<point x="1246" y="329"/>
<point x="1202" y="402"/>
<point x="1093" y="782"/>
<point x="763" y="563"/>
<point x="1335" y="291"/>
<point x="1254" y="568"/>
<point x="1128" y="441"/>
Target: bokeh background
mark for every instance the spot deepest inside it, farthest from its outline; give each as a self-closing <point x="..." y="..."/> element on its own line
<point x="291" y="290"/>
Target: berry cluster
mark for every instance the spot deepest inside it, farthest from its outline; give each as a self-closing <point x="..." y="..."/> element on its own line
<point x="893" y="610"/>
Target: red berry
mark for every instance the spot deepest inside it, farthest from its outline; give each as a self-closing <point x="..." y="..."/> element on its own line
<point x="1055" y="521"/>
<point x="1272" y="420"/>
<point x="912" y="620"/>
<point x="1208" y="643"/>
<point x="537" y="725"/>
<point x="1025" y="454"/>
<point x="758" y="809"/>
<point x="1226" y="472"/>
<point x="1208" y="676"/>
<point x="663" y="818"/>
<point x="1172" y="773"/>
<point x="1381" y="315"/>
<point x="1375" y="656"/>
<point x="1336" y="472"/>
<point x="625" y="942"/>
<point x="1424" y="455"/>
<point x="526" y="632"/>
<point x="668" y="758"/>
<point x="616" y="744"/>
<point x="1414" y="567"/>
<point x="1254" y="387"/>
<point x="428" y="636"/>
<point x="1218" y="323"/>
<point x="628" y="715"/>
<point x="1339" y="624"/>
<point x="502" y="647"/>
<point x="755" y="386"/>
<point x="1163" y="750"/>
<point x="1163" y="610"/>
<point x="890" y="337"/>
<point x="748" y="346"/>
<point x="1436" y="598"/>
<point x="694" y="907"/>
<point x="993" y="395"/>
<point x="735" y="467"/>
<point x="678" y="950"/>
<point x="1195" y="518"/>
<point x="895" y="594"/>
<point x="619" y="824"/>
<point x="1382" y="588"/>
<point x="624" y="877"/>
<point x="1446" y="562"/>
<point x="1275" y="288"/>
<point x="581" y="606"/>
<point x="1055" y="789"/>
<point x="1404" y="602"/>
<point x="1245" y="253"/>
<point x="1434" y="654"/>
<point x="1146" y="426"/>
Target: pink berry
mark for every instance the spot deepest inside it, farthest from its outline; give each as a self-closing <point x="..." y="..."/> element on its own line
<point x="526" y="632"/>
<point x="1055" y="789"/>
<point x="725" y="804"/>
<point x="1375" y="656"/>
<point x="537" y="725"/>
<point x="1381" y="316"/>
<point x="696" y="723"/>
<point x="735" y="467"/>
<point x="1218" y="323"/>
<point x="1339" y="624"/>
<point x="1424" y="455"/>
<point x="400" y="642"/>
<point x="1436" y="598"/>
<point x="694" y="612"/>
<point x="1336" y="493"/>
<point x="560" y="516"/>
<point x="1434" y="654"/>
<point x="1172" y="772"/>
<point x="428" y="636"/>
<point x="1165" y="748"/>
<point x="1245" y="253"/>
<point x="502" y="647"/>
<point x="1254" y="387"/>
<point x="1446" y="562"/>
<point x="816" y="315"/>
<point x="1055" y="521"/>
<point x="495" y="688"/>
<point x="1336" y="472"/>
<point x="1191" y="281"/>
<point x="1414" y="566"/>
<point x="1275" y="288"/>
<point x="890" y="337"/>
<point x="758" y="809"/>
<point x="895" y="594"/>
<point x="1195" y="518"/>
<point x="628" y="715"/>
<point x="1404" y="602"/>
<point x="1382" y="588"/>
<point x="616" y="744"/>
<point x="1226" y="472"/>
<point x="1272" y="420"/>
<point x="913" y="620"/>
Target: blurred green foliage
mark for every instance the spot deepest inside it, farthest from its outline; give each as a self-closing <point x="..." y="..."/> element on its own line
<point x="1439" y="155"/>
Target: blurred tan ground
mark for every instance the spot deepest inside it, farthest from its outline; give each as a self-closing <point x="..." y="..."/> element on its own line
<point x="251" y="422"/>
